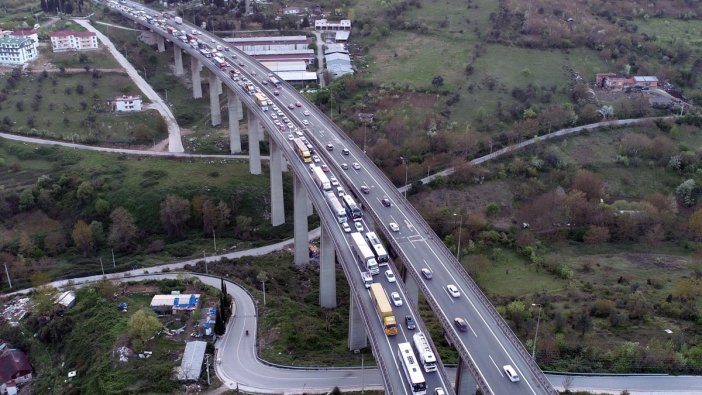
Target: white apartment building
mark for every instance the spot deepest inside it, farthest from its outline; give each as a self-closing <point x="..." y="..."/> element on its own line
<point x="17" y="51"/>
<point x="73" y="41"/>
<point x="27" y="34"/>
<point x="127" y="103"/>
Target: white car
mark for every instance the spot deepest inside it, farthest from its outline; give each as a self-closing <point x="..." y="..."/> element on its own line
<point x="340" y="191"/>
<point x="396" y="300"/>
<point x="511" y="374"/>
<point x="356" y="166"/>
<point x="453" y="290"/>
<point x="307" y="113"/>
<point x="358" y="225"/>
<point x="280" y="113"/>
<point x="291" y="137"/>
<point x="299" y="133"/>
<point x="334" y="181"/>
<point x="305" y="122"/>
<point x="273" y="116"/>
<point x="275" y="108"/>
<point x="316" y="159"/>
<point x="345" y="166"/>
<point x="394" y="227"/>
<point x="346" y="227"/>
<point x="390" y="276"/>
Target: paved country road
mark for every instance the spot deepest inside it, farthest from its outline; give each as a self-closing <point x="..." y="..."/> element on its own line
<point x="174" y="141"/>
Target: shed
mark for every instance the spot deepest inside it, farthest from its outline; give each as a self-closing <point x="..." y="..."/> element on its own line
<point x="191" y="365"/>
<point x="66" y="300"/>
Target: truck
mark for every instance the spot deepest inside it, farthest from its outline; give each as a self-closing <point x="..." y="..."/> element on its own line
<point x="337" y="209"/>
<point x="261" y="101"/>
<point x="426" y="355"/>
<point x="382" y="306"/>
<point x="274" y="81"/>
<point x="178" y="20"/>
<point x="219" y="62"/>
<point x="364" y="253"/>
<point x="380" y="254"/>
<point x="321" y="179"/>
<point x="367" y="279"/>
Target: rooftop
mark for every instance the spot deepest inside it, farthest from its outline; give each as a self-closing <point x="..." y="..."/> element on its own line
<point x="274" y="39"/>
<point x="20" y="33"/>
<point x="191" y="365"/>
<point x="67" y="33"/>
<point x="11" y="362"/>
<point x="14" y="41"/>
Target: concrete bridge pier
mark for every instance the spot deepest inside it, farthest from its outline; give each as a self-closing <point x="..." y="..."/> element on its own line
<point x="195" y="77"/>
<point x="327" y="270"/>
<point x="302" y="255"/>
<point x="357" y="329"/>
<point x="277" y="204"/>
<point x="254" y="146"/>
<point x="239" y="109"/>
<point x="160" y="43"/>
<point x="465" y="383"/>
<point x="411" y="289"/>
<point x="233" y="113"/>
<point x="219" y="86"/>
<point x="178" y="58"/>
<point x="283" y="162"/>
<point x="215" y="111"/>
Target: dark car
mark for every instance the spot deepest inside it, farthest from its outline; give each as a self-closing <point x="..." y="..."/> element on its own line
<point x="386" y="202"/>
<point x="345" y="151"/>
<point x="409" y="321"/>
<point x="461" y="324"/>
<point x="365" y="189"/>
<point x="330" y="147"/>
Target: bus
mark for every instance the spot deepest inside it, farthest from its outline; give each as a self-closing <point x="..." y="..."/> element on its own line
<point x="336" y="207"/>
<point x="382" y="306"/>
<point x="302" y="151"/>
<point x="426" y="355"/>
<point x="351" y="207"/>
<point x="380" y="254"/>
<point x="411" y="368"/>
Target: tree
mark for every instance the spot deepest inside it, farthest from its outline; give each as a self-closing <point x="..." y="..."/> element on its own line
<point x="695" y="224"/>
<point x="590" y="184"/>
<point x="98" y="232"/>
<point x="83" y="237"/>
<point x="143" y="325"/>
<point x="102" y="206"/>
<point x="175" y="212"/>
<point x="44" y="298"/>
<point x="26" y="200"/>
<point x="686" y="192"/>
<point x="214" y="216"/>
<point x="84" y="191"/>
<point x="55" y="243"/>
<point x="597" y="235"/>
<point x="437" y="81"/>
<point x="123" y="229"/>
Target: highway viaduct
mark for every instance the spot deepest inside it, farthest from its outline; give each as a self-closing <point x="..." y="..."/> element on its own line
<point x="363" y="321"/>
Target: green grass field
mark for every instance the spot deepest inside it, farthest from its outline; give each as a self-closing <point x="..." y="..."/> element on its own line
<point x="63" y="113"/>
<point x="99" y="59"/>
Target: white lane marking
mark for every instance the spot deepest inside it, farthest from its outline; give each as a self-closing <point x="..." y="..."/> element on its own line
<point x="471" y="329"/>
<point x="496" y="367"/>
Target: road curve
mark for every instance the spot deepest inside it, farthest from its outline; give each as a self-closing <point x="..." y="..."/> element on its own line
<point x="174" y="141"/>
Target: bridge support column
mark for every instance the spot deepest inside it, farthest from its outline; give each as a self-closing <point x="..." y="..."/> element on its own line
<point x="254" y="146"/>
<point x="411" y="289"/>
<point x="215" y="111"/>
<point x="195" y="77"/>
<point x="234" y="134"/>
<point x="239" y="109"/>
<point x="310" y="207"/>
<point x="219" y="86"/>
<point x="465" y="383"/>
<point x="302" y="255"/>
<point x="283" y="162"/>
<point x="160" y="43"/>
<point x="357" y="329"/>
<point x="178" y="58"/>
<point x="277" y="204"/>
<point x="327" y="270"/>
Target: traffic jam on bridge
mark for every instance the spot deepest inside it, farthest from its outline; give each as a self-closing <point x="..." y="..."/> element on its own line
<point x="306" y="129"/>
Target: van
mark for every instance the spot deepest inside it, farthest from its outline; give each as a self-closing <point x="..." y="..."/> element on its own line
<point x="511" y="374"/>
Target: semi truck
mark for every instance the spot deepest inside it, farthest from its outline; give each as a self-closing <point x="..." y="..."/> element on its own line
<point x="321" y="179"/>
<point x="426" y="355"/>
<point x="364" y="253"/>
<point x="275" y="81"/>
<point x="261" y="101"/>
<point x="219" y="62"/>
<point x="382" y="306"/>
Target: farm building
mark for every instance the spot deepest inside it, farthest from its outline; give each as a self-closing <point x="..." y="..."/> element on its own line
<point x="127" y="103"/>
<point x="172" y="303"/>
<point x="191" y="365"/>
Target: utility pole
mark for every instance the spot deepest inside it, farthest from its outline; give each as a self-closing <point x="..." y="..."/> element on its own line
<point x="7" y="272"/>
<point x="214" y="240"/>
<point x="264" y="292"/>
<point x="114" y="266"/>
<point x="538" y="319"/>
<point x="460" y="227"/>
<point x="102" y="267"/>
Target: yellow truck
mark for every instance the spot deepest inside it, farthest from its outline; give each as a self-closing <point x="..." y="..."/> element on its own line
<point x="382" y="305"/>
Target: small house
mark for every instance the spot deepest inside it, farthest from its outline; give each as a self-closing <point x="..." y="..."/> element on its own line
<point x="191" y="365"/>
<point x="163" y="304"/>
<point x="127" y="103"/>
<point x="66" y="300"/>
<point x="15" y="370"/>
